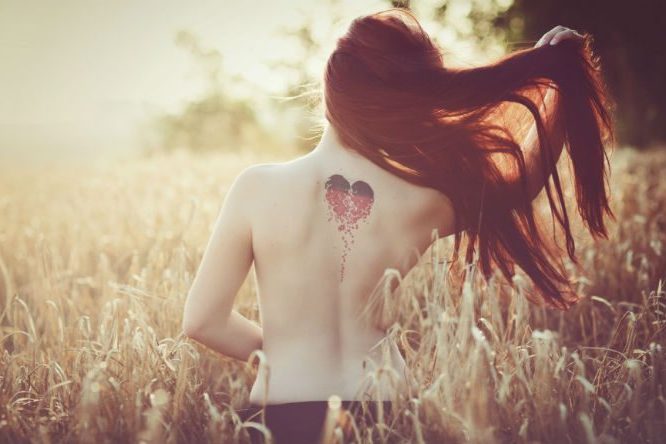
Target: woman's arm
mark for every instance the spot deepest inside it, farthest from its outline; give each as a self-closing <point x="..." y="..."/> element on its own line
<point x="237" y="338"/>
<point x="208" y="316"/>
<point x="537" y="177"/>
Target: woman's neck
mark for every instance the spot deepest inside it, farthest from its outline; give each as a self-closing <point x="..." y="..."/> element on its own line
<point x="330" y="143"/>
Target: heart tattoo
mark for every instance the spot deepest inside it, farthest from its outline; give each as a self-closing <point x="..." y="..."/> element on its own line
<point x="348" y="205"/>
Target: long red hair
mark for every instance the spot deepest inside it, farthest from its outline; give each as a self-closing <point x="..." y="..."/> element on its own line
<point x="390" y="97"/>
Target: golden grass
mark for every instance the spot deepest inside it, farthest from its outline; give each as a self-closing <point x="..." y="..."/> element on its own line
<point x="95" y="265"/>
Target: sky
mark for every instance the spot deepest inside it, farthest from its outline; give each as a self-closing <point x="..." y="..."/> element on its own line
<point x="79" y="77"/>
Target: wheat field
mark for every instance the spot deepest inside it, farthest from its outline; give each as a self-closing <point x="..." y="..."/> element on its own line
<point x="95" y="264"/>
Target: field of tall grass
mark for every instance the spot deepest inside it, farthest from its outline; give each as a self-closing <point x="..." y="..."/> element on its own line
<point x="95" y="264"/>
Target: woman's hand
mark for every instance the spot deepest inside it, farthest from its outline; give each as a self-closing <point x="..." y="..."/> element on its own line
<point x="557" y="34"/>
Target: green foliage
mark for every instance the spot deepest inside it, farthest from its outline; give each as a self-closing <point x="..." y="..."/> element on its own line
<point x="215" y="120"/>
<point x="208" y="123"/>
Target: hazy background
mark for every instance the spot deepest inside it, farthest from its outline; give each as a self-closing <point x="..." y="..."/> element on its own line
<point x="122" y="127"/>
<point x="84" y="80"/>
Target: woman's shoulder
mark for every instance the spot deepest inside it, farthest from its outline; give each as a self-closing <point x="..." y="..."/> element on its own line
<point x="272" y="176"/>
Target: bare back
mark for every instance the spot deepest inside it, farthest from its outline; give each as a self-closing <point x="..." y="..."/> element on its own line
<point x="332" y="222"/>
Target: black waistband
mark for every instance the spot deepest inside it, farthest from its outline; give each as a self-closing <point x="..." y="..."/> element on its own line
<point x="345" y="404"/>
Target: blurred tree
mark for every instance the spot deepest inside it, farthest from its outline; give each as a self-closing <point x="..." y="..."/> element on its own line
<point x="214" y="120"/>
<point x="303" y="94"/>
<point x="463" y="28"/>
<point x="628" y="37"/>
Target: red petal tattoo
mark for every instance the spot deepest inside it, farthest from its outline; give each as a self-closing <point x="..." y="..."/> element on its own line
<point x="349" y="206"/>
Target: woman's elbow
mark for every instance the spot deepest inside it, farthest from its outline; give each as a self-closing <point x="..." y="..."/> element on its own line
<point x="515" y="195"/>
<point x="191" y="327"/>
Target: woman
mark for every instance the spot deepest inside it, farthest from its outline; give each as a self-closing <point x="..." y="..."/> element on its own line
<point x="411" y="146"/>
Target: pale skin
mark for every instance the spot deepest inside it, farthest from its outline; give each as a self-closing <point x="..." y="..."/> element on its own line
<point x="314" y="343"/>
